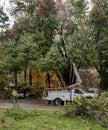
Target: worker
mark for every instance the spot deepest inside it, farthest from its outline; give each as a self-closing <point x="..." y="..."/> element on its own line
<point x="15" y="95"/>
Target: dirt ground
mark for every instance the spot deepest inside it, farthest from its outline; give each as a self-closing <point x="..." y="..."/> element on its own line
<point x="29" y="104"/>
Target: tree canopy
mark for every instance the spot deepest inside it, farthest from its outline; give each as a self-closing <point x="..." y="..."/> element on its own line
<point x="50" y="35"/>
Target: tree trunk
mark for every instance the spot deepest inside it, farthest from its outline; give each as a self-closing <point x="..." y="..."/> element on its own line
<point x="59" y="77"/>
<point x="25" y="75"/>
<point x="70" y="76"/>
<point x="16" y="81"/>
<point x="48" y="79"/>
<point x="30" y="78"/>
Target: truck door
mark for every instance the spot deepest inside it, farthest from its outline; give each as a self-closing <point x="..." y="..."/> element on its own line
<point x="77" y="92"/>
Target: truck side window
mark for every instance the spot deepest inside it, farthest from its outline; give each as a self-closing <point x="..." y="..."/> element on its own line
<point x="78" y="91"/>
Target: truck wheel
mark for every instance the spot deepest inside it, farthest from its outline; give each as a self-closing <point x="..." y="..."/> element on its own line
<point x="58" y="101"/>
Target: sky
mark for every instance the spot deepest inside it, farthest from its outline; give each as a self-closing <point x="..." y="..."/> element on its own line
<point x="6" y="6"/>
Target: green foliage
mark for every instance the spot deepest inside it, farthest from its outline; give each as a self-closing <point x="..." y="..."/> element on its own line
<point x="5" y="94"/>
<point x="51" y="60"/>
<point x="11" y="59"/>
<point x="47" y="120"/>
<point x="96" y="108"/>
<point x="19" y="114"/>
<point x="81" y="37"/>
<point x="22" y="7"/>
<point x="35" y="94"/>
<point x="4" y="81"/>
<point x="79" y="7"/>
<point x="47" y="23"/>
<point x="98" y="22"/>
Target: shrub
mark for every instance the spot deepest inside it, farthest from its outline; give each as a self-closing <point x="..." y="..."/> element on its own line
<point x="6" y="94"/>
<point x="35" y="94"/>
<point x="3" y="86"/>
<point x="18" y="114"/>
<point x="90" y="108"/>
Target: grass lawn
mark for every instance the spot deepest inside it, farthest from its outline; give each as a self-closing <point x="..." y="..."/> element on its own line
<point x="47" y="120"/>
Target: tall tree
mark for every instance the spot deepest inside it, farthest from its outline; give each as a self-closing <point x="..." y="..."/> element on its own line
<point x="46" y="17"/>
<point x="11" y="60"/>
<point x="99" y="25"/>
<point x="47" y="22"/>
<point x="72" y="42"/>
<point x="61" y="36"/>
<point x="39" y="19"/>
<point x="73" y="18"/>
<point x="4" y="25"/>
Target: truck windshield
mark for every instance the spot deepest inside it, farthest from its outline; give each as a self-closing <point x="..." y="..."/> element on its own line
<point x="84" y="91"/>
<point x="80" y="91"/>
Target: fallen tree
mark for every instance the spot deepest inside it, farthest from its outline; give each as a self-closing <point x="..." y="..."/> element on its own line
<point x="95" y="108"/>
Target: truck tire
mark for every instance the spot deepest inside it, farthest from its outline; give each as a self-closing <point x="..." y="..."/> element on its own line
<point x="58" y="101"/>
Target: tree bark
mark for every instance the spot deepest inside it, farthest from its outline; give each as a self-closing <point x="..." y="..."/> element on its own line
<point x="16" y="81"/>
<point x="25" y="75"/>
<point x="48" y="79"/>
<point x="60" y="79"/>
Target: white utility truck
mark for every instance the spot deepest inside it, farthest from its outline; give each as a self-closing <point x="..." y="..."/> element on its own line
<point x="59" y="95"/>
<point x="63" y="94"/>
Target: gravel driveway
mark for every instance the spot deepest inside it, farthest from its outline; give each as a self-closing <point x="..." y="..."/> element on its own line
<point x="29" y="104"/>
